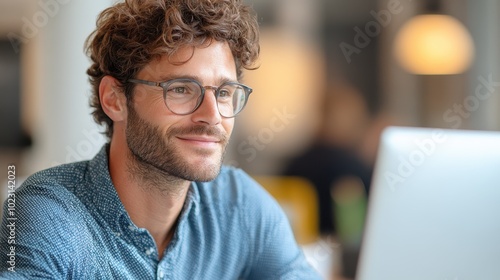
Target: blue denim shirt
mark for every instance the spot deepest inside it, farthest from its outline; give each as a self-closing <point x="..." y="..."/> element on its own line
<point x="71" y="224"/>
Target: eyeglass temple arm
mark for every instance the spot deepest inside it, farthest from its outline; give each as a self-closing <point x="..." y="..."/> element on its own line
<point x="145" y="82"/>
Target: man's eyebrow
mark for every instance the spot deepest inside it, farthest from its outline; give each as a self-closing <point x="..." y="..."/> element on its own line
<point x="220" y="80"/>
<point x="169" y="77"/>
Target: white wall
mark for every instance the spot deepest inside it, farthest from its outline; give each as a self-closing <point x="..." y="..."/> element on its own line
<point x="56" y="88"/>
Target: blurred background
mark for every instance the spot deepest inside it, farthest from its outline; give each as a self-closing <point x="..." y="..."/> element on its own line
<point x="332" y="75"/>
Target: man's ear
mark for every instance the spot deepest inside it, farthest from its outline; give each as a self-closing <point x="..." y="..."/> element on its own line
<point x="113" y="100"/>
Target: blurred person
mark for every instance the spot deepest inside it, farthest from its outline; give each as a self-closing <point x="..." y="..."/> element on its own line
<point x="332" y="157"/>
<point x="368" y="149"/>
<point x="156" y="202"/>
<point x="338" y="171"/>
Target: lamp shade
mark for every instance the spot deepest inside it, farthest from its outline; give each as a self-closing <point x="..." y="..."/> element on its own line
<point x="434" y="44"/>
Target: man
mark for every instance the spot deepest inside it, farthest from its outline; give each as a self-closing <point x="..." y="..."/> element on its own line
<point x="155" y="203"/>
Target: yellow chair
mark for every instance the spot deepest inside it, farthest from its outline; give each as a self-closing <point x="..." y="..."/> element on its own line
<point x="299" y="200"/>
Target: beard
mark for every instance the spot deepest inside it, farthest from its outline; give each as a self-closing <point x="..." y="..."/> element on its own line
<point x="155" y="159"/>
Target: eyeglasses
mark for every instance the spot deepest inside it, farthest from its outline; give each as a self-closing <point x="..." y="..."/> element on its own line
<point x="184" y="96"/>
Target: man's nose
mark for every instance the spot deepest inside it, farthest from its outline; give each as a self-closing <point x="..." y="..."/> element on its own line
<point x="208" y="112"/>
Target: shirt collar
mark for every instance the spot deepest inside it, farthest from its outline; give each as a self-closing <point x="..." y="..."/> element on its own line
<point x="192" y="199"/>
<point x="103" y="193"/>
<point x="106" y="201"/>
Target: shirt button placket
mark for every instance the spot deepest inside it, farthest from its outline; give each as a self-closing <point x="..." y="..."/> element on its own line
<point x="161" y="274"/>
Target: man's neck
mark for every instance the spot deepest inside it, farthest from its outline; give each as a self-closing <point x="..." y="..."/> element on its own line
<point x="151" y="204"/>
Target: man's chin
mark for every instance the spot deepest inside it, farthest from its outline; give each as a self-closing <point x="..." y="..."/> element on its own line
<point x="205" y="171"/>
<point x="201" y="175"/>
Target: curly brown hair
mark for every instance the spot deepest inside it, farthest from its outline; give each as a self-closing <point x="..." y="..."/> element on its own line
<point x="131" y="34"/>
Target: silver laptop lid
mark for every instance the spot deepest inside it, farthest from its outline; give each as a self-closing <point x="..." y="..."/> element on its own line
<point x="434" y="207"/>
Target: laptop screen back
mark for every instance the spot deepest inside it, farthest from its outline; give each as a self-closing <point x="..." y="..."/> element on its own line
<point x="434" y="207"/>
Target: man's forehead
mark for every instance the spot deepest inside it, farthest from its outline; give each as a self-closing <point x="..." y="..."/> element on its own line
<point x="185" y="52"/>
<point x="167" y="65"/>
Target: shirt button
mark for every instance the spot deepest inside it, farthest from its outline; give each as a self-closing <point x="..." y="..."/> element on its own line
<point x="131" y="227"/>
<point x="149" y="251"/>
<point x="160" y="273"/>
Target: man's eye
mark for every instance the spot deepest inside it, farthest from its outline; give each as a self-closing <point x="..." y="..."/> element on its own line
<point x="178" y="90"/>
<point x="224" y="93"/>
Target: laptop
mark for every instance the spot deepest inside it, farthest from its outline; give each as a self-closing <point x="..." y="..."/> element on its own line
<point x="434" y="207"/>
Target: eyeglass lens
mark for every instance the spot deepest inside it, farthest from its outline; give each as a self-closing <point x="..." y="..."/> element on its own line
<point x="184" y="96"/>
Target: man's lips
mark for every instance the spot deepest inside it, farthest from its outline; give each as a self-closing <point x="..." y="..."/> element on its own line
<point x="200" y="140"/>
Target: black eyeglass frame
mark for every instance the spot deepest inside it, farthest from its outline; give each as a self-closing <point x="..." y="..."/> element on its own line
<point x="165" y="85"/>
